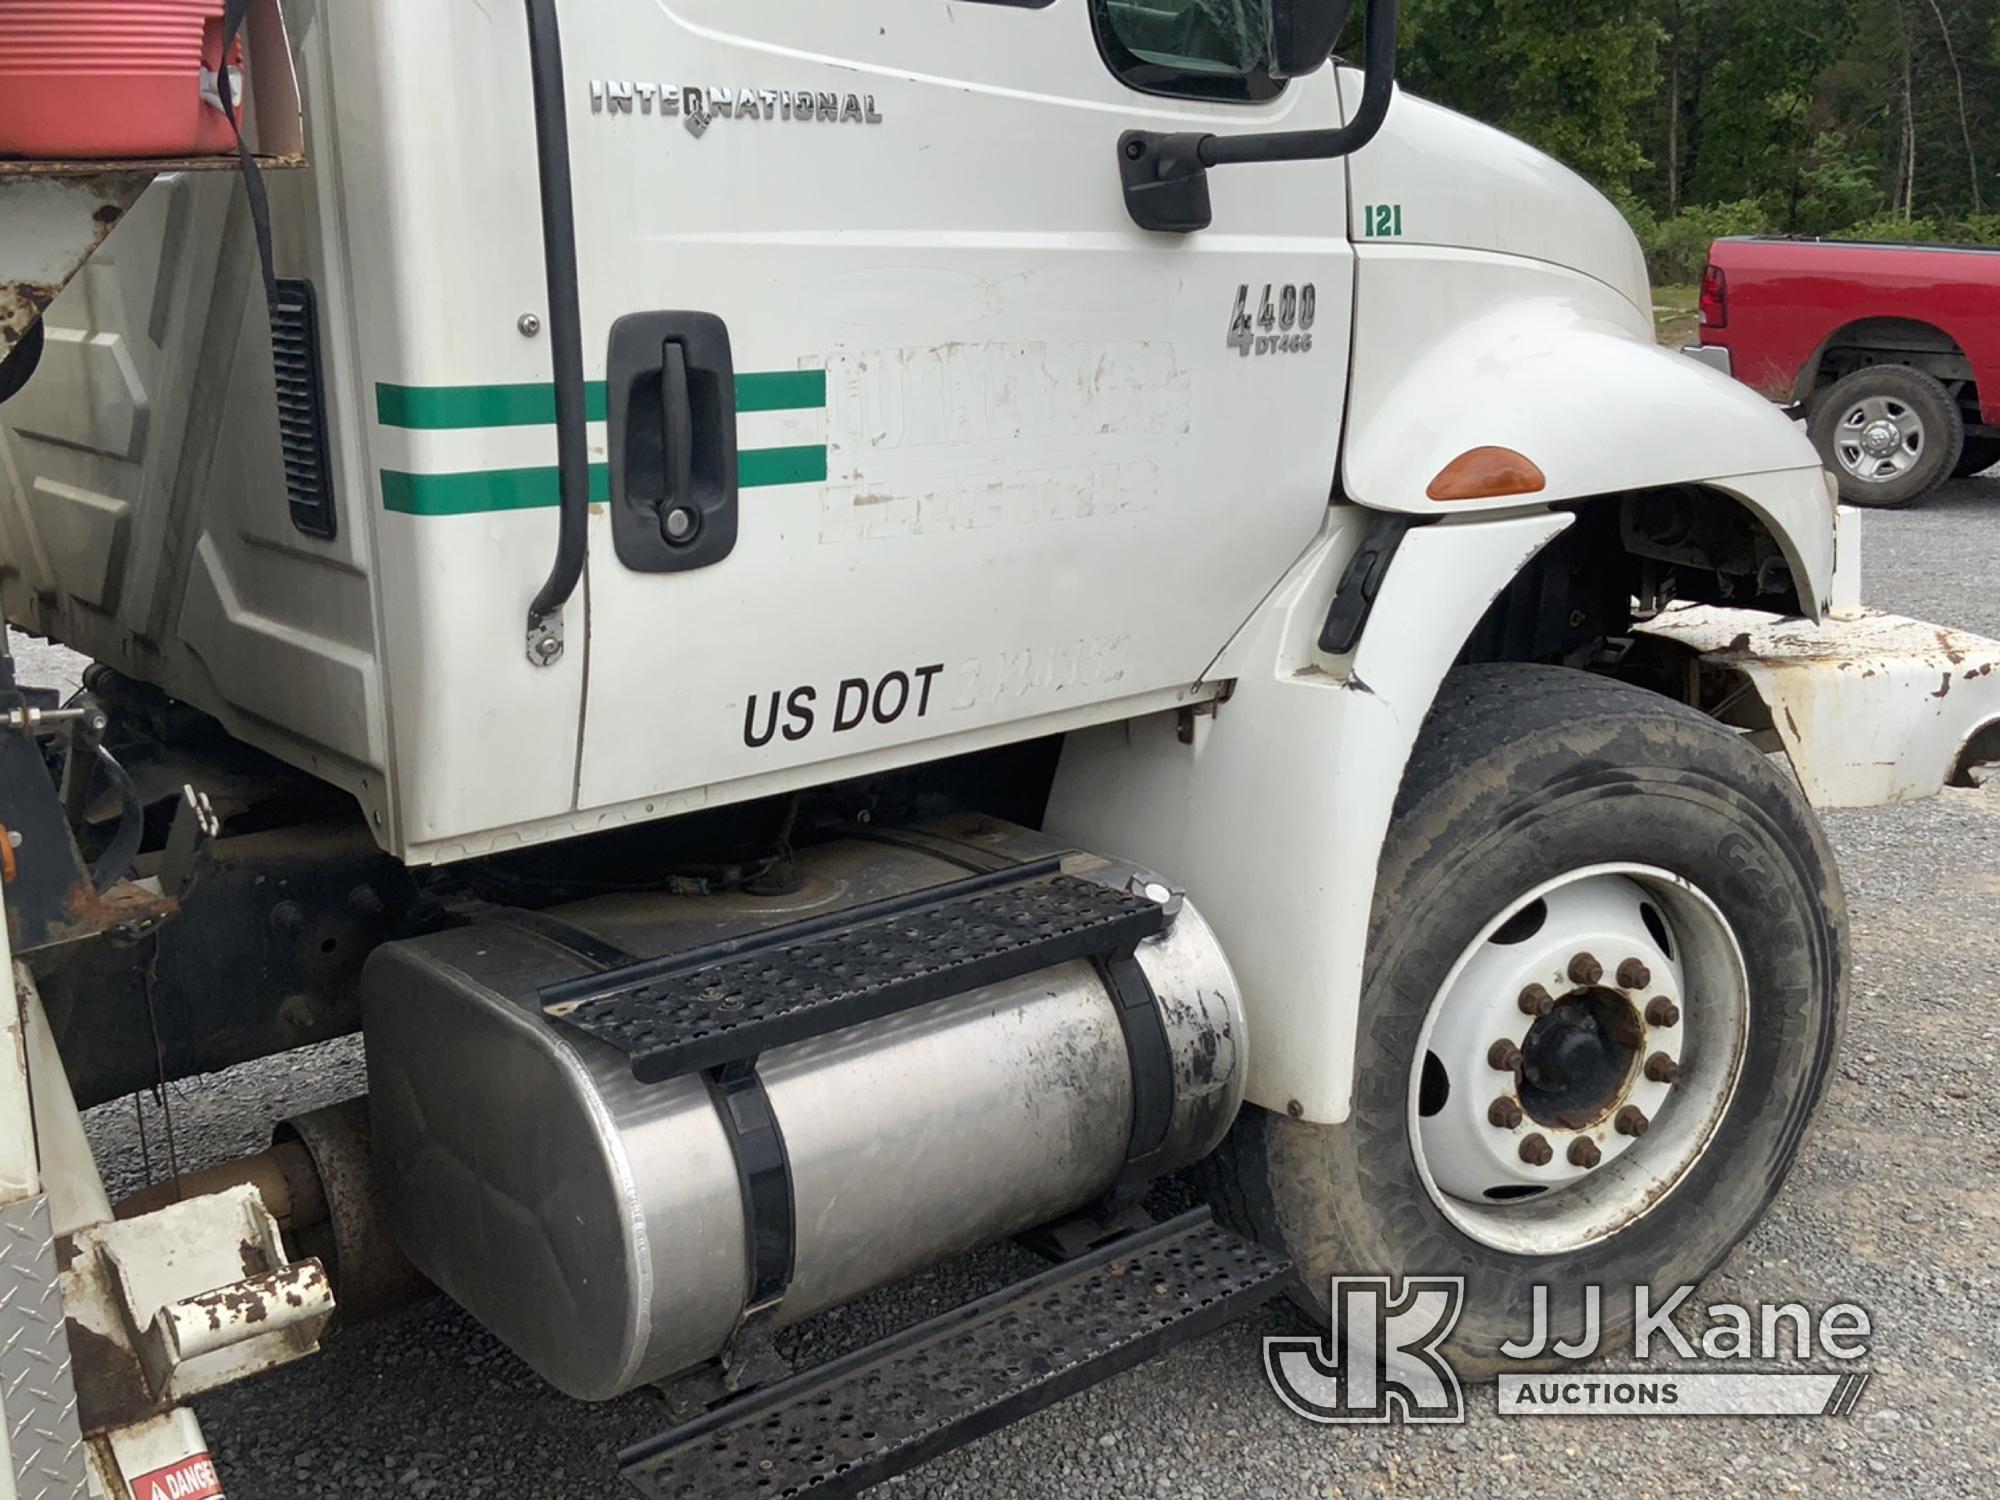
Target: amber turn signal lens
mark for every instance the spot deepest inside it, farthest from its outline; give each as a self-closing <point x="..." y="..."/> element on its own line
<point x="1487" y="474"/>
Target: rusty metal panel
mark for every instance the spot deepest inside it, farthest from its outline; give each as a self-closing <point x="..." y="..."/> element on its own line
<point x="53" y="225"/>
<point x="36" y="1389"/>
<point x="181" y="1300"/>
<point x="1871" y="708"/>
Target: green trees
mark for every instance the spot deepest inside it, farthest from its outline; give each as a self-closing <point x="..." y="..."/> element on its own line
<point x="1842" y="117"/>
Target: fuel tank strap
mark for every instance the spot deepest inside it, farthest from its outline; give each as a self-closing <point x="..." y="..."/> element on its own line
<point x="1152" y="1061"/>
<point x="566" y="937"/>
<point x="765" y="1174"/>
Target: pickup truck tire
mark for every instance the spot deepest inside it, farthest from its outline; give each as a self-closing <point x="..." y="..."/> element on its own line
<point x="1531" y="778"/>
<point x="1980" y="454"/>
<point x="1891" y="434"/>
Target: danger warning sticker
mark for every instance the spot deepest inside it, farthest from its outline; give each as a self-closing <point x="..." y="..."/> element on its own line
<point x="191" y="1479"/>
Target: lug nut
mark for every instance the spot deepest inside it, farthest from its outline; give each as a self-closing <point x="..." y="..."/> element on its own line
<point x="1536" y="1001"/>
<point x="1660" y="1011"/>
<point x="1584" y="969"/>
<point x="1662" y="1068"/>
<point x="1583" y="1153"/>
<point x="1536" y="1151"/>
<point x="1504" y="1112"/>
<point x="1503" y="1055"/>
<point x="1632" y="1121"/>
<point x="1633" y="975"/>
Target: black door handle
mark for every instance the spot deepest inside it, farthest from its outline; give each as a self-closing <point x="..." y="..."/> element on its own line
<point x="679" y="520"/>
<point x="670" y="402"/>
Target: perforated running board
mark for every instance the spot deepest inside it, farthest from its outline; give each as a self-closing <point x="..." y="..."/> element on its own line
<point x="733" y="1000"/>
<point x="859" y="1420"/>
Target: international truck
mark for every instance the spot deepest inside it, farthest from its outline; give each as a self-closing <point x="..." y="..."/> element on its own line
<point x="848" y="631"/>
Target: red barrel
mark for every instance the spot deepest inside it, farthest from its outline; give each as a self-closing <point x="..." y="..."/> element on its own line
<point x="108" y="78"/>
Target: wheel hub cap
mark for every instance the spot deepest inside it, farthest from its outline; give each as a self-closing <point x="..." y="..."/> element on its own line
<point x="1578" y="1059"/>
<point x="1880" y="439"/>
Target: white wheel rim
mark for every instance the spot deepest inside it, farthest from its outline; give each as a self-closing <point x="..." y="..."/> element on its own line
<point x="1605" y="1048"/>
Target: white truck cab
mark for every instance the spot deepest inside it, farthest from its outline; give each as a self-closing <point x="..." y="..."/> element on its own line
<point x="777" y="600"/>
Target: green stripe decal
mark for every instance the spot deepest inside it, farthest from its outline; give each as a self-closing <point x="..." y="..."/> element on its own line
<point x="488" y="490"/>
<point x="454" y="408"/>
<point x="535" y="489"/>
<point x="781" y="390"/>
<point x="460" y="408"/>
<point x="756" y="467"/>
<point x="443" y="408"/>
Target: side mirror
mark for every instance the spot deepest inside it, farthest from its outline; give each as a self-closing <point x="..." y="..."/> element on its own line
<point x="1166" y="175"/>
<point x="1303" y="33"/>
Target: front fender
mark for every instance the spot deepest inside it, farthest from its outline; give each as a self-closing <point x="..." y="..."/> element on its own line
<point x="1458" y="349"/>
<point x="1272" y="810"/>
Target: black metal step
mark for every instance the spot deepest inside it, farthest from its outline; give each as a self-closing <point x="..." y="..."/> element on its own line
<point x="732" y="1000"/>
<point x="857" y="1421"/>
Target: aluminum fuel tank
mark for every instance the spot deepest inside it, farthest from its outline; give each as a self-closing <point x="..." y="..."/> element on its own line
<point x="596" y="1225"/>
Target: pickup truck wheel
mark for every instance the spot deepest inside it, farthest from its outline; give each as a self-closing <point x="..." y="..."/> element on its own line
<point x="1890" y="433"/>
<point x="1603" y="995"/>
<point x="1981" y="454"/>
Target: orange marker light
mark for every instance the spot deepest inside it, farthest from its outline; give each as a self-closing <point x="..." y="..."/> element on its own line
<point x="1487" y="474"/>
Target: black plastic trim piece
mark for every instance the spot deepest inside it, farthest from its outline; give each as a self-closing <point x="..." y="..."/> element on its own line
<point x="858" y="1420"/>
<point x="301" y="393"/>
<point x="1166" y="185"/>
<point x="565" y="320"/>
<point x="1361" y="581"/>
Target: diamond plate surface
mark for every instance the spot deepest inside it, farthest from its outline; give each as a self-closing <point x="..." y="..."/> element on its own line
<point x="783" y="990"/>
<point x="36" y="1392"/>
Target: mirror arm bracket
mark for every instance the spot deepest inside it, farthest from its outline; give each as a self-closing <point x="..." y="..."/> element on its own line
<point x="1165" y="174"/>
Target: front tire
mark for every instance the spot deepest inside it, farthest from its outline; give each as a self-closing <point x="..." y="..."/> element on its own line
<point x="1890" y="434"/>
<point x="1527" y="780"/>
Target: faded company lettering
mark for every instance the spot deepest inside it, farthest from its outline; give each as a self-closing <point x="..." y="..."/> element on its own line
<point x="798" y="713"/>
<point x="698" y="108"/>
<point x="193" y="1478"/>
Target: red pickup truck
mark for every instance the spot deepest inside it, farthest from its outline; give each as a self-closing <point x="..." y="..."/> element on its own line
<point x="1890" y="352"/>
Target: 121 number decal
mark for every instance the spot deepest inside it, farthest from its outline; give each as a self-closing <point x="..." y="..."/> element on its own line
<point x="1280" y="326"/>
<point x="1382" y="220"/>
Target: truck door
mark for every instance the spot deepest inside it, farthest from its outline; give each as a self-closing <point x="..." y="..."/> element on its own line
<point x="1003" y="459"/>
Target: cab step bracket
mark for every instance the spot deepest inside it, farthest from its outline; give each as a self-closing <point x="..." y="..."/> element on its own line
<point x="733" y="1000"/>
<point x="861" y="1419"/>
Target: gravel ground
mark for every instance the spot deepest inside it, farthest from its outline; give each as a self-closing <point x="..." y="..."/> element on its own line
<point x="1893" y="1205"/>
